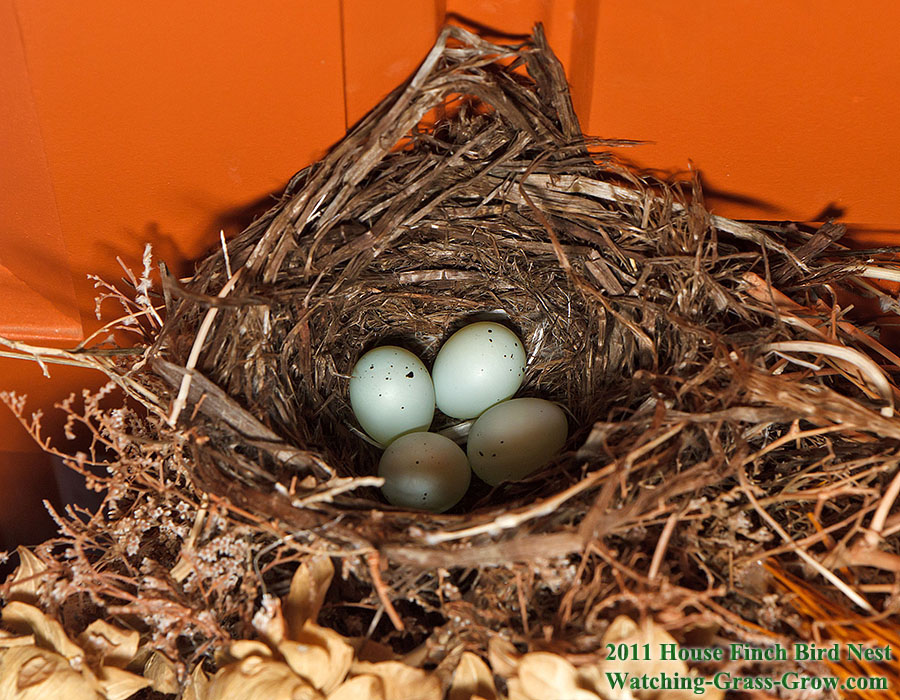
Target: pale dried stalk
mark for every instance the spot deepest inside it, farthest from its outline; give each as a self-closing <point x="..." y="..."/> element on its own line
<point x="867" y="368"/>
<point x="98" y="360"/>
<point x="662" y="545"/>
<point x="790" y="312"/>
<point x="880" y="273"/>
<point x="225" y="256"/>
<point x="182" y="567"/>
<point x="336" y="487"/>
<point x="512" y="520"/>
<point x="181" y="399"/>
<point x="876" y="527"/>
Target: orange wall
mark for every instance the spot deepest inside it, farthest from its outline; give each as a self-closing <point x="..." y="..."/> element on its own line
<point x="793" y="104"/>
<point x="163" y="122"/>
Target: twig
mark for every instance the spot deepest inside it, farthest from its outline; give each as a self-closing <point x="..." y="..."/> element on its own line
<point x="523" y="605"/>
<point x="338" y="486"/>
<point x="661" y="546"/>
<point x="873" y="534"/>
<point x="374" y="561"/>
<point x="829" y="575"/>
<point x="512" y="520"/>
<point x="181" y="399"/>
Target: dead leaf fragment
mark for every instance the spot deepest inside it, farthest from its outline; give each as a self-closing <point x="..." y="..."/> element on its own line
<point x="307" y="593"/>
<point x="197" y="686"/>
<point x="472" y="678"/>
<point x="119" y="684"/>
<point x="514" y="690"/>
<point x="320" y="655"/>
<point x="544" y="675"/>
<point x="48" y="633"/>
<point x="27" y="579"/>
<point x="503" y="657"/>
<point x="257" y="678"/>
<point x="15" y="640"/>
<point x="402" y="682"/>
<point x="365" y="687"/>
<point x="112" y="645"/>
<point x="51" y="665"/>
<point x="36" y="669"/>
<point x="244" y="648"/>
<point x="160" y="671"/>
<point x="368" y="650"/>
<point x="32" y="673"/>
<point x="270" y="623"/>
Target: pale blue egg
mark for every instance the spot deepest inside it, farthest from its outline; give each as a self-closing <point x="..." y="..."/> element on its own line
<point x="479" y="365"/>
<point x="391" y="393"/>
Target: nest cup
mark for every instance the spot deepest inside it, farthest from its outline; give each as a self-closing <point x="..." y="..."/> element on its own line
<point x="406" y="250"/>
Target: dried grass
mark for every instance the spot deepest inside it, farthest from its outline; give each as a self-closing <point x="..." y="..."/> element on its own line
<point x="726" y="410"/>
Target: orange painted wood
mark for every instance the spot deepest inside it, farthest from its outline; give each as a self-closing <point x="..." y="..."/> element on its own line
<point x="383" y="44"/>
<point x="165" y="123"/>
<point x="791" y="106"/>
<point x="127" y="123"/>
<point x="787" y="109"/>
<point x="162" y="122"/>
<point x="37" y="297"/>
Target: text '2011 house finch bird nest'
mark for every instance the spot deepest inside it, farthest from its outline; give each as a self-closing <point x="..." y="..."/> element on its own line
<point x="725" y="416"/>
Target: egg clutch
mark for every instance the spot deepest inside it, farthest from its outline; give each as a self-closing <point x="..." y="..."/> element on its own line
<point x="475" y="374"/>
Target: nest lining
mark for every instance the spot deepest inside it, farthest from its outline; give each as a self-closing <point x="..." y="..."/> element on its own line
<point x="470" y="191"/>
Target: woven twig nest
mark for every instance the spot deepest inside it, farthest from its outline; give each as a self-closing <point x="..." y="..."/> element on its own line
<point x="711" y="380"/>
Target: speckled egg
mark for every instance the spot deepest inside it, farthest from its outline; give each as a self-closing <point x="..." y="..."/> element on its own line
<point x="511" y="440"/>
<point x="479" y="365"/>
<point x="425" y="471"/>
<point x="391" y="393"/>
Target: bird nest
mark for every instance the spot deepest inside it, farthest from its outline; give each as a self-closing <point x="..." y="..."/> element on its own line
<point x="727" y="421"/>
